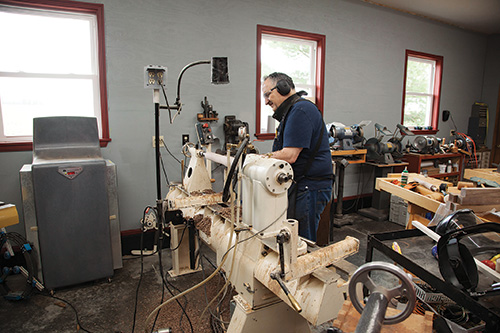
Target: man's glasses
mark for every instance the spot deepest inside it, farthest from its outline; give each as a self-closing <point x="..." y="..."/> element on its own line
<point x="267" y="94"/>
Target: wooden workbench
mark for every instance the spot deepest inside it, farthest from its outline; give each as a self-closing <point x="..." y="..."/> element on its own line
<point x="354" y="156"/>
<point x="489" y="174"/>
<point x="480" y="200"/>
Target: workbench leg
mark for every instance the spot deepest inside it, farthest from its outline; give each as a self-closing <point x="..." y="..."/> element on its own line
<point x="416" y="213"/>
<point x="331" y="220"/>
<point x="381" y="200"/>
<point x="340" y="190"/>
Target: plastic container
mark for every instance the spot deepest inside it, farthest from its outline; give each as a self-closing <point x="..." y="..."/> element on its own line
<point x="404" y="177"/>
<point x="449" y="167"/>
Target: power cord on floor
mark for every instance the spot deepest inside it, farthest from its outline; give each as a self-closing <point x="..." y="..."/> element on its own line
<point x="183" y="307"/>
<point x="216" y="321"/>
<point x="165" y="285"/>
<point x="79" y="326"/>
<point x="223" y="260"/>
<point x="142" y="267"/>
<point x="160" y="246"/>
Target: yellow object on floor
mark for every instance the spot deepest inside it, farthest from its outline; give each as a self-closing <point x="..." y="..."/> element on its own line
<point x="8" y="215"/>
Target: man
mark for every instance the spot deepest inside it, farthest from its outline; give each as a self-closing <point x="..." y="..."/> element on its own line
<point x="301" y="140"/>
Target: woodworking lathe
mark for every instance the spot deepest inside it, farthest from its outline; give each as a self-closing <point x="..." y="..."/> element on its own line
<point x="282" y="284"/>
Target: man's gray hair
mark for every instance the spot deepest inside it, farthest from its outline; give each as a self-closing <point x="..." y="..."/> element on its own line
<point x="276" y="76"/>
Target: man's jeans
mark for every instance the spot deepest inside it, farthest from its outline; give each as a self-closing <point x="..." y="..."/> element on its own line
<point x="308" y="208"/>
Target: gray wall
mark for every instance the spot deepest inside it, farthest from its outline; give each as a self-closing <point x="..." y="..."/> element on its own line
<point x="365" y="53"/>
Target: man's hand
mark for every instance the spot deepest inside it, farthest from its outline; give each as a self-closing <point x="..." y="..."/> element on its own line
<point x="287" y="154"/>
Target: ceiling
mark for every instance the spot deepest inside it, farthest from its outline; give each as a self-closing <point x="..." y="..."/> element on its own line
<point x="475" y="15"/>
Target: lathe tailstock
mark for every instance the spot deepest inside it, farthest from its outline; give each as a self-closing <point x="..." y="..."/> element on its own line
<point x="281" y="284"/>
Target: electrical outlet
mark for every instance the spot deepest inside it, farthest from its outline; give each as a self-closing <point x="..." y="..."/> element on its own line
<point x="155" y="76"/>
<point x="162" y="143"/>
<point x="185" y="139"/>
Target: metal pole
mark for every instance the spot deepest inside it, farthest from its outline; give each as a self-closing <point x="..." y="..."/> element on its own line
<point x="373" y="314"/>
<point x="340" y="192"/>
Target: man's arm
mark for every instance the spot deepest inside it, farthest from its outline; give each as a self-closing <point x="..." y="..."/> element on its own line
<point x="287" y="154"/>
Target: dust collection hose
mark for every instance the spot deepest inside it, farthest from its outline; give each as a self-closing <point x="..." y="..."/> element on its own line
<point x="232" y="171"/>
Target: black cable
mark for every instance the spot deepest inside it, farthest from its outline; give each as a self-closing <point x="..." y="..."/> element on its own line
<point x="355" y="204"/>
<point x="214" y="320"/>
<point x="226" y="253"/>
<point x="164" y="171"/>
<point x="166" y="148"/>
<point x="166" y="100"/>
<point x="79" y="324"/>
<point x="144" y="255"/>
<point x="142" y="267"/>
<point x="180" y="241"/>
<point x="165" y="284"/>
<point x="160" y="246"/>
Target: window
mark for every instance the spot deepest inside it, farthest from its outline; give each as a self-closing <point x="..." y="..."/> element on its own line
<point x="301" y="55"/>
<point x="421" y="93"/>
<point x="52" y="64"/>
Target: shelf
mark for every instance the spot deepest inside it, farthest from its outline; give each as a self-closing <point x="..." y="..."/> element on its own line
<point x="415" y="164"/>
<point x="354" y="156"/>
<point x="442" y="175"/>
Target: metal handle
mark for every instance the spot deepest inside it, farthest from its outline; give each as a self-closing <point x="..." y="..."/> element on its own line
<point x="296" y="306"/>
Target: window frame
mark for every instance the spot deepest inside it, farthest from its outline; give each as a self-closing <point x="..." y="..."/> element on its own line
<point x="320" y="68"/>
<point x="436" y="99"/>
<point x="97" y="10"/>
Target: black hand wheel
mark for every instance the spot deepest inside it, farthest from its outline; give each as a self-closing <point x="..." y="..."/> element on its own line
<point x="405" y="289"/>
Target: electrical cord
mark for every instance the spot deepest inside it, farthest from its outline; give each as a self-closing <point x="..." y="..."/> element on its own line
<point x="168" y="150"/>
<point x="142" y="267"/>
<point x="216" y="321"/>
<point x="355" y="204"/>
<point x="180" y="241"/>
<point x="160" y="246"/>
<point x="166" y="101"/>
<point x="165" y="284"/>
<point x="227" y="280"/>
<point x="79" y="326"/>
<point x="224" y="257"/>
<point x="138" y="257"/>
<point x="164" y="171"/>
<point x="183" y="307"/>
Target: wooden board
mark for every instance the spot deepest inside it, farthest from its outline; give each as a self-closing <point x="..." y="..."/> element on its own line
<point x="489" y="174"/>
<point x="348" y="318"/>
<point x="479" y="196"/>
<point x="354" y="156"/>
<point x="384" y="184"/>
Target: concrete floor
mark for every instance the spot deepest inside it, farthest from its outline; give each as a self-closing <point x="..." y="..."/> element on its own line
<point x="108" y="306"/>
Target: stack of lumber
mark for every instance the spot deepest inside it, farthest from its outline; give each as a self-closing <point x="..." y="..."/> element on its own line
<point x="478" y="199"/>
